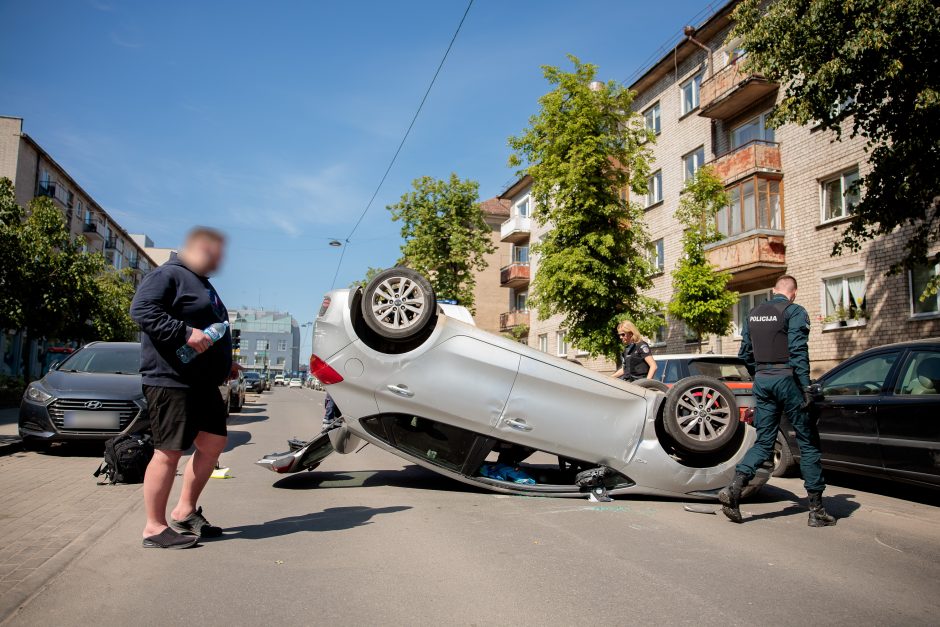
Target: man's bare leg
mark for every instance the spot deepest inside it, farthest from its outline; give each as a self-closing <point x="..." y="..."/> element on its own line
<point x="200" y="466"/>
<point x="158" y="481"/>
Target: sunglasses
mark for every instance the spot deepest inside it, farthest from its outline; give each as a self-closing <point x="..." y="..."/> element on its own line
<point x="624" y="334"/>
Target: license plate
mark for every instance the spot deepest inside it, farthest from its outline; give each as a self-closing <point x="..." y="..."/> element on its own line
<point x="92" y="420"/>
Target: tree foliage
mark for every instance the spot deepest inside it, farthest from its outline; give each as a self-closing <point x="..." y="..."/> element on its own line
<point x="584" y="148"/>
<point x="370" y="274"/>
<point x="50" y="287"/>
<point x="446" y="234"/>
<point x="866" y="68"/>
<point x="701" y="298"/>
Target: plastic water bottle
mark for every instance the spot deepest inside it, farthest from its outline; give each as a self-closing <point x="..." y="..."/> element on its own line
<point x="216" y="332"/>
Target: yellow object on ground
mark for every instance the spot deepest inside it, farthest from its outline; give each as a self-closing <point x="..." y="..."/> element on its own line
<point x="221" y="473"/>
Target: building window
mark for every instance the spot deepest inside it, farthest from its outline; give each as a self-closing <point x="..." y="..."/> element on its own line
<point x="652" y="117"/>
<point x="543" y="342"/>
<point x="657" y="256"/>
<point x="522" y="207"/>
<point x="561" y="344"/>
<point x="654" y="192"/>
<point x="659" y="335"/>
<point x="690" y="90"/>
<point x="692" y="162"/>
<point x="262" y="345"/>
<point x="282" y="345"/>
<point x="919" y="277"/>
<point x="520" y="254"/>
<point x="520" y="301"/>
<point x="755" y="204"/>
<point x="69" y="199"/>
<point x="747" y="302"/>
<point x="280" y="361"/>
<point x="844" y="298"/>
<point x="755" y="129"/>
<point x="838" y="195"/>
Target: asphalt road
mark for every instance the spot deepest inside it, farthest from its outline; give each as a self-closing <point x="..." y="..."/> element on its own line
<point x="367" y="539"/>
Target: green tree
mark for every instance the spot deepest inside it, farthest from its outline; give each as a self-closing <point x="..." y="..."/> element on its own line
<point x="370" y="274"/>
<point x="585" y="148"/>
<point x="446" y="235"/>
<point x="701" y="298"/>
<point x="866" y="68"/>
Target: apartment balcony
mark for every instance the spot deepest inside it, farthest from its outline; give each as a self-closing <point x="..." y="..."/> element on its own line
<point x="756" y="254"/>
<point x="755" y="157"/>
<point x="516" y="229"/>
<point x="514" y="275"/>
<point x="46" y="189"/>
<point x="92" y="234"/>
<point x="731" y="90"/>
<point x="512" y="319"/>
<point x="110" y="243"/>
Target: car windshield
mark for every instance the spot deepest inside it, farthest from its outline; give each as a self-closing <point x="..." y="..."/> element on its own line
<point x="104" y="360"/>
<point x="252" y="375"/>
<point x="723" y="369"/>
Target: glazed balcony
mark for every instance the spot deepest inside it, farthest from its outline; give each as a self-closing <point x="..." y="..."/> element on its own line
<point x="512" y="319"/>
<point x="516" y="229"/>
<point x="755" y="157"/>
<point x="751" y="255"/>
<point x="514" y="275"/>
<point x="731" y="90"/>
<point x="92" y="232"/>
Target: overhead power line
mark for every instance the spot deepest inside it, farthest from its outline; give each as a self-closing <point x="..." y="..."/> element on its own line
<point x="401" y="144"/>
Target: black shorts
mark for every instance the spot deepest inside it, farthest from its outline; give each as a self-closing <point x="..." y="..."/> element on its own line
<point x="177" y="415"/>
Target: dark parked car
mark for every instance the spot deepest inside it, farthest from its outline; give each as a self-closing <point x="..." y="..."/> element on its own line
<point x="254" y="382"/>
<point x="93" y="394"/>
<point x="879" y="415"/>
<point x="728" y="369"/>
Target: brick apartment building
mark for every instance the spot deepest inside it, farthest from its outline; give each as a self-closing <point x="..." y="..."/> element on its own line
<point x="788" y="207"/>
<point x="35" y="173"/>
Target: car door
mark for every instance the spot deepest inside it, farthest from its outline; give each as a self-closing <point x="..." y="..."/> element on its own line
<point x="847" y="416"/>
<point x="463" y="381"/>
<point x="909" y="419"/>
<point x="556" y="410"/>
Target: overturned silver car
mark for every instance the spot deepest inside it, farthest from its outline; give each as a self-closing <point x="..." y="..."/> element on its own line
<point x="474" y="406"/>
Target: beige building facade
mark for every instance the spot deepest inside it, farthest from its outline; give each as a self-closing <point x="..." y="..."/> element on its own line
<point x="488" y="295"/>
<point x="790" y="201"/>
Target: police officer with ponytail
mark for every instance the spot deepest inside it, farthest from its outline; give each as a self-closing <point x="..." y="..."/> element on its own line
<point x="774" y="343"/>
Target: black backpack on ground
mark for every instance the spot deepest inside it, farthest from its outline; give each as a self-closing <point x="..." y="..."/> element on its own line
<point x="125" y="459"/>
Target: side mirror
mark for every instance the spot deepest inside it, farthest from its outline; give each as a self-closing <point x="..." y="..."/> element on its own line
<point x="55" y="365"/>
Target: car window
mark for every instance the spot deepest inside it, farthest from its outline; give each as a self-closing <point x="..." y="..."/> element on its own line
<point x="920" y="374"/>
<point x="104" y="360"/>
<point x="436" y="442"/>
<point x="724" y="369"/>
<point x="865" y="377"/>
<point x="671" y="374"/>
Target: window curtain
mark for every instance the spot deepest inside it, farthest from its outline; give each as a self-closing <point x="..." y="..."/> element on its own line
<point x="856" y="292"/>
<point x="833" y="295"/>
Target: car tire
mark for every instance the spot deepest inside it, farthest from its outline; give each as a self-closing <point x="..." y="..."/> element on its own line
<point x="706" y="433"/>
<point x="399" y="304"/>
<point x="652" y="384"/>
<point x="784" y="464"/>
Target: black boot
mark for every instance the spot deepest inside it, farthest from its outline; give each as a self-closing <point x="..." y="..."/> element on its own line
<point x="730" y="497"/>
<point x="818" y="516"/>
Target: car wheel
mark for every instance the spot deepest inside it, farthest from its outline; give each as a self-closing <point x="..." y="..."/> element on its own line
<point x="652" y="384"/>
<point x="398" y="304"/>
<point x="700" y="414"/>
<point x="784" y="464"/>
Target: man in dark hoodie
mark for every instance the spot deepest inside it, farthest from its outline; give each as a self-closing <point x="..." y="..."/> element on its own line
<point x="172" y="306"/>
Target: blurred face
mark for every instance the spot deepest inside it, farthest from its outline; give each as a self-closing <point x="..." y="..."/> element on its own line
<point x="203" y="254"/>
<point x="625" y="336"/>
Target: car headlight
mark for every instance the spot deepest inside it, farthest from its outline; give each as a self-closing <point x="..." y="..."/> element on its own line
<point x="36" y="394"/>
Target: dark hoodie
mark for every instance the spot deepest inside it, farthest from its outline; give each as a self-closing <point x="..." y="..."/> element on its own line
<point x="170" y="302"/>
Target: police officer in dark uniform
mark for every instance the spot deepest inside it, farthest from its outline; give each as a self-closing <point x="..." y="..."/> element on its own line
<point x="638" y="361"/>
<point x="774" y="343"/>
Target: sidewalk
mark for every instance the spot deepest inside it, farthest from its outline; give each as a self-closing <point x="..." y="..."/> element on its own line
<point x="9" y="439"/>
<point x="51" y="511"/>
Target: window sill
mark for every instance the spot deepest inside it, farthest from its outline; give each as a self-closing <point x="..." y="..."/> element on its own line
<point x="654" y="205"/>
<point x="688" y="113"/>
<point x="924" y="316"/>
<point x="843" y="324"/>
<point x="834" y="222"/>
<point x="658" y="345"/>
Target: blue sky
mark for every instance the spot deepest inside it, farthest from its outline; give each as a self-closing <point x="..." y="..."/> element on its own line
<point x="275" y="120"/>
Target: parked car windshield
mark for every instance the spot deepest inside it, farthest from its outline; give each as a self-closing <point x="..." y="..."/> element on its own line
<point x="723" y="369"/>
<point x="104" y="360"/>
<point x="252" y="375"/>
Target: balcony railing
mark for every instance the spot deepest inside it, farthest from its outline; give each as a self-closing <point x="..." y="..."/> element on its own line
<point x="515" y="274"/>
<point x="750" y="255"/>
<point x="90" y="228"/>
<point x="110" y="243"/>
<point x="511" y="319"/>
<point x="756" y="156"/>
<point x="47" y="189"/>
<point x="730" y="90"/>
<point x="133" y="263"/>
<point x="515" y="229"/>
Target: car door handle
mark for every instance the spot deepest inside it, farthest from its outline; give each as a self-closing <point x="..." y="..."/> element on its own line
<point x="400" y="390"/>
<point x="519" y="424"/>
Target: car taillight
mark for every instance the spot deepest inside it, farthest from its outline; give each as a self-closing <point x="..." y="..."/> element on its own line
<point x="747" y="415"/>
<point x="324" y="306"/>
<point x="323" y="372"/>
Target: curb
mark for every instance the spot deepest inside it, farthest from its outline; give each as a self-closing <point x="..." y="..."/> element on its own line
<point x="11" y="446"/>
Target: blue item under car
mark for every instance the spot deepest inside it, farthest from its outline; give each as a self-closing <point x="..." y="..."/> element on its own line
<point x="502" y="472"/>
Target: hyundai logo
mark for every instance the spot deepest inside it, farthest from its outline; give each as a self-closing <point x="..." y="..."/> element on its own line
<point x="93" y="405"/>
